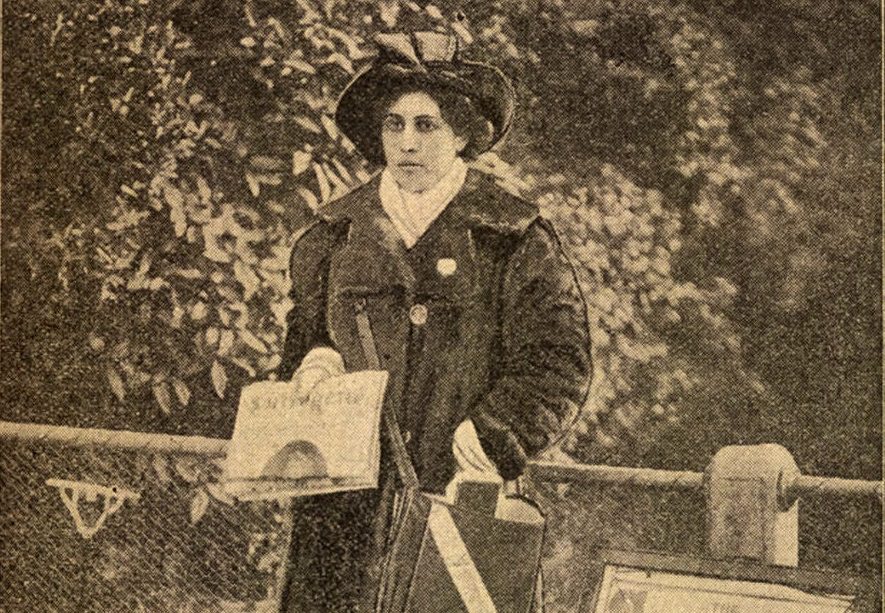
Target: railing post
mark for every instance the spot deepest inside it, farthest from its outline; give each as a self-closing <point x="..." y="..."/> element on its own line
<point x="748" y="512"/>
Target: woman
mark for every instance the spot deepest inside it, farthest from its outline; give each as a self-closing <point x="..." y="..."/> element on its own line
<point x="474" y="308"/>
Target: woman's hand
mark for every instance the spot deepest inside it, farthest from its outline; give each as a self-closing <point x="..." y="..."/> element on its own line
<point x="473" y="463"/>
<point x="319" y="364"/>
<point x="469" y="452"/>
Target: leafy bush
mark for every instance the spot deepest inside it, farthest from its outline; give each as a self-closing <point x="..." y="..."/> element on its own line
<point x="161" y="156"/>
<point x="217" y="117"/>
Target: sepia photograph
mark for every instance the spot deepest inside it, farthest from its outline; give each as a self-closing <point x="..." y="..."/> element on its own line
<point x="486" y="306"/>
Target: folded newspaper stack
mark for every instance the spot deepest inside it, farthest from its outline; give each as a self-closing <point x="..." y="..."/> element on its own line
<point x="284" y="448"/>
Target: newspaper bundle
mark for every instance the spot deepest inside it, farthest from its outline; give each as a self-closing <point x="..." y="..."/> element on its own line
<point x="282" y="447"/>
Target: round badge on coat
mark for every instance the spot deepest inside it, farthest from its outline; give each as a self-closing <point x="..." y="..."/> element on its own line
<point x="446" y="266"/>
<point x="418" y="314"/>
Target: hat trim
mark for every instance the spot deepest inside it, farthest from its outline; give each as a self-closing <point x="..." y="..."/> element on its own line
<point x="372" y="81"/>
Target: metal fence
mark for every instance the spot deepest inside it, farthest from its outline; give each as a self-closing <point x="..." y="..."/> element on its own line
<point x="97" y="520"/>
<point x="101" y="529"/>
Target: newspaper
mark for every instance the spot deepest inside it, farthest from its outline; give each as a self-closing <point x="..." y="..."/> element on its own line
<point x="284" y="448"/>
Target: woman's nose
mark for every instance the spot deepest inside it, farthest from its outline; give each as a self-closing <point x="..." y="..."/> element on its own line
<point x="409" y="141"/>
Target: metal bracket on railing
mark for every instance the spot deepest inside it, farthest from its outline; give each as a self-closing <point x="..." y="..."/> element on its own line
<point x="72" y="491"/>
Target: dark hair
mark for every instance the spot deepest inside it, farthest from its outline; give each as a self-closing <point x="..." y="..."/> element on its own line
<point x="457" y="110"/>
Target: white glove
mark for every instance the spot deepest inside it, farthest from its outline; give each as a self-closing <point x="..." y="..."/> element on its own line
<point x="320" y="363"/>
<point x="469" y="452"/>
<point x="473" y="463"/>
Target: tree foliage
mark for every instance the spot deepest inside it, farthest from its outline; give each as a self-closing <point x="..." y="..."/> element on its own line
<point x="710" y="168"/>
<point x="201" y="136"/>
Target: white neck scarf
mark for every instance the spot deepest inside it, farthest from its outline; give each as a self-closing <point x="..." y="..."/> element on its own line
<point x="412" y="214"/>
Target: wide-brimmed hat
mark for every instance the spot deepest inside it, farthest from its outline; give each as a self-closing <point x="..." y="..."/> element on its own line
<point x="421" y="60"/>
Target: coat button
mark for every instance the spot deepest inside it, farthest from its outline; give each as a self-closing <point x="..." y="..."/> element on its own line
<point x="418" y="314"/>
<point x="446" y="266"/>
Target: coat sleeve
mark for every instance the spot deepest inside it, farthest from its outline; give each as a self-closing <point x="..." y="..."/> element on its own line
<point x="309" y="272"/>
<point x="545" y="363"/>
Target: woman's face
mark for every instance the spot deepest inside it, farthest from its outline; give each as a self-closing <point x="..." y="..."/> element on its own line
<point x="419" y="145"/>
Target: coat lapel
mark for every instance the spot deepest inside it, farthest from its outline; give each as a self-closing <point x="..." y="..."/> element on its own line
<point x="373" y="257"/>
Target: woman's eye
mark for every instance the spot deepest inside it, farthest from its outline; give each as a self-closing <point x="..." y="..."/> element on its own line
<point x="425" y="125"/>
<point x="393" y="124"/>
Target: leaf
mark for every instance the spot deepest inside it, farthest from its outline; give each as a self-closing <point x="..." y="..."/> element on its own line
<point x="253" y="341"/>
<point x="244" y="365"/>
<point x="330" y="126"/>
<point x="161" y="393"/>
<point x="187" y="468"/>
<point x="269" y="179"/>
<point x="179" y="220"/>
<point x="219" y="377"/>
<point x="342" y="170"/>
<point x="157" y="283"/>
<point x="254" y="185"/>
<point x="162" y="469"/>
<point x="218" y="492"/>
<point x="462" y="32"/>
<point x="266" y="163"/>
<point x="176" y="317"/>
<point x="116" y="382"/>
<point x="211" y="335"/>
<point x="310" y="198"/>
<point x="204" y="190"/>
<point x="434" y="12"/>
<point x="308" y="124"/>
<point x="189" y="273"/>
<point x="225" y="342"/>
<point x="323" y="180"/>
<point x="174" y="197"/>
<point x="199" y="504"/>
<point x="181" y="390"/>
<point x="342" y="60"/>
<point x="295" y="61"/>
<point x="199" y="311"/>
<point x="224" y="315"/>
<point x="300" y="162"/>
<point x="340" y="187"/>
<point x="228" y="292"/>
<point x="247" y="278"/>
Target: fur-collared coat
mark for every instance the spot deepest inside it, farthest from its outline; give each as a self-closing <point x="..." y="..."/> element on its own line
<point x="482" y="318"/>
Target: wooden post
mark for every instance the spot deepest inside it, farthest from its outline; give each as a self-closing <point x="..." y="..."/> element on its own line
<point x="749" y="514"/>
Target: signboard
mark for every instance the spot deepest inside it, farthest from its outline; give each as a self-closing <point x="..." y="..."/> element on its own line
<point x="631" y="590"/>
<point x="652" y="583"/>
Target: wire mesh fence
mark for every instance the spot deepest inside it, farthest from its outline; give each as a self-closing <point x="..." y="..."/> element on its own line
<point x="116" y="525"/>
<point x="175" y="543"/>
